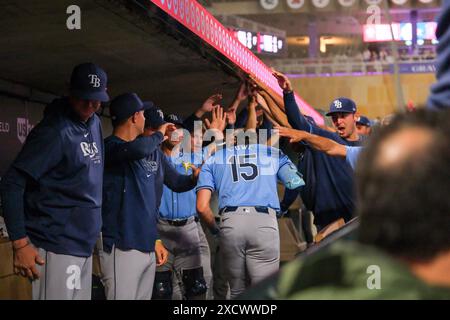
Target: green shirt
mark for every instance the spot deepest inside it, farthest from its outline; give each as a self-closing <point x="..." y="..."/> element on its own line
<point x="348" y="270"/>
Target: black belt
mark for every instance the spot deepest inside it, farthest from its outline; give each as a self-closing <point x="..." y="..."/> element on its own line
<point x="180" y="223"/>
<point x="259" y="209"/>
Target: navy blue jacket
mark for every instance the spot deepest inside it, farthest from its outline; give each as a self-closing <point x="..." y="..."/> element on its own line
<point x="133" y="182"/>
<point x="53" y="191"/>
<point x="329" y="180"/>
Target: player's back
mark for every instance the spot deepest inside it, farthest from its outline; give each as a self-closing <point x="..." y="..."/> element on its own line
<point x="244" y="175"/>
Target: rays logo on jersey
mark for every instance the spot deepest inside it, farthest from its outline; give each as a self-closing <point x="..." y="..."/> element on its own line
<point x="150" y="166"/>
<point x="186" y="165"/>
<point x="89" y="149"/>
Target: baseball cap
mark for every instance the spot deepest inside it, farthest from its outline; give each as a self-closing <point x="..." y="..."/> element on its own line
<point x="342" y="105"/>
<point x="124" y="106"/>
<point x="154" y="117"/>
<point x="363" y="121"/>
<point x="175" y="119"/>
<point x="88" y="82"/>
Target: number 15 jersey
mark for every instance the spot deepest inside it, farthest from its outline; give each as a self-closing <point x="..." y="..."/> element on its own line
<point x="244" y="175"/>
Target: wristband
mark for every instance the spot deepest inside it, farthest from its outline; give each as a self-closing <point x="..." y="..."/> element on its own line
<point x="17" y="249"/>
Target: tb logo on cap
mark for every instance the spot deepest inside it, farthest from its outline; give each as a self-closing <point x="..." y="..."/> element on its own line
<point x="160" y="113"/>
<point x="95" y="80"/>
<point x="338" y="104"/>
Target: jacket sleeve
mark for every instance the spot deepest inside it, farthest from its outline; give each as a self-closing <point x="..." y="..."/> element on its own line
<point x="298" y="121"/>
<point x="137" y="149"/>
<point x="176" y="181"/>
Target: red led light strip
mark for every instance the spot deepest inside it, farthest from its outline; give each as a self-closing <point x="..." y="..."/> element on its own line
<point x="198" y="20"/>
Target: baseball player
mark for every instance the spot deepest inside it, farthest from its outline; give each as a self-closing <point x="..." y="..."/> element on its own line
<point x="52" y="193"/>
<point x="134" y="168"/>
<point x="329" y="180"/>
<point x="363" y="126"/>
<point x="182" y="276"/>
<point x="245" y="177"/>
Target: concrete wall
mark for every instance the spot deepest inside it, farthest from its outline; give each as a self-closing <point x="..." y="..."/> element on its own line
<point x="374" y="95"/>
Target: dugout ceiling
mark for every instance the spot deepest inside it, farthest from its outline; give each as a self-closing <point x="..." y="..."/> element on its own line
<point x="141" y="49"/>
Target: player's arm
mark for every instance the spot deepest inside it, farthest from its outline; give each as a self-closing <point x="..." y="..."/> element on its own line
<point x="42" y="152"/>
<point x="176" y="181"/>
<point x="139" y="148"/>
<point x="330" y="147"/>
<point x="288" y="199"/>
<point x="268" y="93"/>
<point x="276" y="112"/>
<point x="240" y="96"/>
<point x="204" y="210"/>
<point x="251" y="119"/>
<point x="26" y="255"/>
<point x="295" y="118"/>
<point x="205" y="186"/>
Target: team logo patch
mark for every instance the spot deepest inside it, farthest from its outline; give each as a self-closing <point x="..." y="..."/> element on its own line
<point x="150" y="166"/>
<point x="90" y="150"/>
<point x="338" y="104"/>
<point x="94" y="80"/>
<point x="186" y="165"/>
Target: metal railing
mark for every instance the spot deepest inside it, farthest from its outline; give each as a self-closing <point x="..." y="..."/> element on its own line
<point x="350" y="66"/>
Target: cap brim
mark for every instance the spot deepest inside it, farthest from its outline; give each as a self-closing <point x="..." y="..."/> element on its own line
<point x="148" y="105"/>
<point x="99" y="96"/>
<point x="341" y="111"/>
<point x="154" y="125"/>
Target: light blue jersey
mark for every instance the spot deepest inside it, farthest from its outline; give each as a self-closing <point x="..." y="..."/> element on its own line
<point x="244" y="175"/>
<point x="352" y="155"/>
<point x="179" y="206"/>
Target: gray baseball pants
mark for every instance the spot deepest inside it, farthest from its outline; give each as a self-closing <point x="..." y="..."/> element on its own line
<point x="250" y="245"/>
<point x="63" y="277"/>
<point x="127" y="275"/>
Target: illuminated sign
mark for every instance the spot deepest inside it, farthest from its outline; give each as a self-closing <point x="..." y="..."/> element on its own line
<point x="261" y="43"/>
<point x="401" y="32"/>
<point x="426" y="30"/>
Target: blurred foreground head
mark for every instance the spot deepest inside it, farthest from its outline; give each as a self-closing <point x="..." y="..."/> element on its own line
<point x="403" y="183"/>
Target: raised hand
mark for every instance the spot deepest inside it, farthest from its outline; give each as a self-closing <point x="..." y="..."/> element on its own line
<point x="253" y="101"/>
<point x="166" y="128"/>
<point x="218" y="120"/>
<point x="283" y="81"/>
<point x="242" y="93"/>
<point x="231" y="115"/>
<point x="211" y="103"/>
